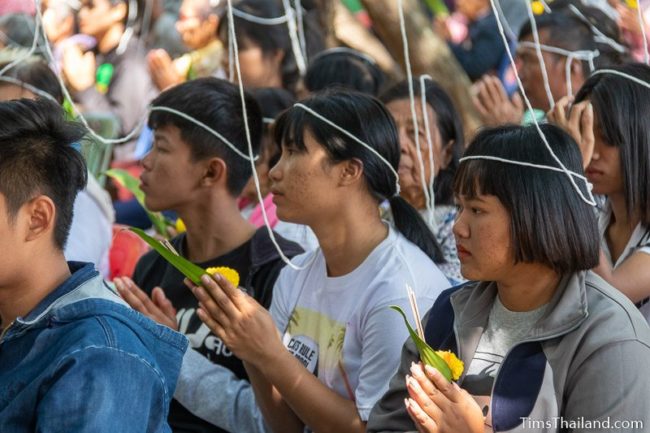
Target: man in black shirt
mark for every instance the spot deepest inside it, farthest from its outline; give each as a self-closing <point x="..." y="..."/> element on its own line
<point x="191" y="171"/>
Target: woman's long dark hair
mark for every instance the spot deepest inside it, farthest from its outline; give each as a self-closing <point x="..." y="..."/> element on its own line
<point x="367" y="119"/>
<point x="621" y="107"/>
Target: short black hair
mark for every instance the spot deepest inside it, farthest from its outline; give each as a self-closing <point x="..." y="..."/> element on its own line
<point x="217" y="104"/>
<point x="343" y="67"/>
<point x="449" y="125"/>
<point x="568" y="31"/>
<point x="36" y="72"/>
<point x="621" y="107"/>
<point x="37" y="157"/>
<point x="550" y="224"/>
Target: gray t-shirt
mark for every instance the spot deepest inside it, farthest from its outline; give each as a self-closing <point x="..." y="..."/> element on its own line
<point x="505" y="328"/>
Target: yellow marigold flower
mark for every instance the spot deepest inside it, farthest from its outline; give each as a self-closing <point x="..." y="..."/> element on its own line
<point x="632" y="4"/>
<point x="180" y="226"/>
<point x="228" y="273"/>
<point x="538" y="7"/>
<point x="455" y="365"/>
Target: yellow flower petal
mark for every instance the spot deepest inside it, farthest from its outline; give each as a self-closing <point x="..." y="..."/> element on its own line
<point x="455" y="365"/>
<point x="180" y="226"/>
<point x="228" y="273"/>
<point x="538" y="7"/>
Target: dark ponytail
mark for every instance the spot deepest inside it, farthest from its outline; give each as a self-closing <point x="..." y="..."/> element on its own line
<point x="410" y="223"/>
<point x="367" y="119"/>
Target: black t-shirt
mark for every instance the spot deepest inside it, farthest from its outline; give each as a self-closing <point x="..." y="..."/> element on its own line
<point x="151" y="271"/>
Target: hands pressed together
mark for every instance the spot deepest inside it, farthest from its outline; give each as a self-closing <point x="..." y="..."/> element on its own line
<point x="237" y="319"/>
<point x="578" y="121"/>
<point x="436" y="405"/>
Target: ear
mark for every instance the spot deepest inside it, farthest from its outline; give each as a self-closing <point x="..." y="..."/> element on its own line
<point x="446" y="154"/>
<point x="41" y="216"/>
<point x="118" y="12"/>
<point x="277" y="57"/>
<point x="577" y="72"/>
<point x="350" y="171"/>
<point x="215" y="172"/>
<point x="214" y="21"/>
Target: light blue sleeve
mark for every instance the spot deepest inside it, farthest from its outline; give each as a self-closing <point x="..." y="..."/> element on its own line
<point x="215" y="394"/>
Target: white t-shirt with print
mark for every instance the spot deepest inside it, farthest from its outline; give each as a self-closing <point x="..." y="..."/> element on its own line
<point x="341" y="328"/>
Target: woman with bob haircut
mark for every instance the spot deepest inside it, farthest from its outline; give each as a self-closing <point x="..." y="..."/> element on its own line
<point x="620" y="169"/>
<point x="542" y="338"/>
<point x="322" y="357"/>
<point x="443" y="147"/>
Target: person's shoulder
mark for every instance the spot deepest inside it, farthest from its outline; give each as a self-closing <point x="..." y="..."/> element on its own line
<point x="612" y="317"/>
<point x="403" y="256"/>
<point x="264" y="250"/>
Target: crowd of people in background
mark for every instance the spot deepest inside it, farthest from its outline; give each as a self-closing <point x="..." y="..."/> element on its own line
<point x="335" y="188"/>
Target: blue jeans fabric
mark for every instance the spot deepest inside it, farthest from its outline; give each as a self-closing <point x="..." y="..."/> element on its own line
<point x="83" y="361"/>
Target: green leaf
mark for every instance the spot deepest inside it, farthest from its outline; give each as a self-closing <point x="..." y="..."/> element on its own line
<point x="427" y="354"/>
<point x="438" y="7"/>
<point x="184" y="266"/>
<point x="132" y="184"/>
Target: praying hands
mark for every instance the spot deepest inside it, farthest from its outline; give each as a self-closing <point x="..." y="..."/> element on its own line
<point x="437" y="405"/>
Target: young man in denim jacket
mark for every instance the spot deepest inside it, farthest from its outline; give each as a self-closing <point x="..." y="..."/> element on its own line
<point x="73" y="356"/>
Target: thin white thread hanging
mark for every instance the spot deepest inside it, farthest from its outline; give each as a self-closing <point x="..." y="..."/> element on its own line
<point x="590" y="199"/>
<point x="585" y="55"/>
<point x="540" y="57"/>
<point x="527" y="164"/>
<point x="646" y="54"/>
<point x="204" y="126"/>
<point x="301" y="31"/>
<point x="293" y="35"/>
<point x="427" y="131"/>
<point x="259" y="20"/>
<point x="353" y="137"/>
<point x="49" y="57"/>
<point x="256" y="180"/>
<point x="409" y="78"/>
<point x="28" y="53"/>
<point x="33" y="89"/>
<point x="598" y="35"/>
<point x="622" y="74"/>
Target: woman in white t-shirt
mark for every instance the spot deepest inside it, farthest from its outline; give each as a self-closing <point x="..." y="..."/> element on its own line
<point x="324" y="355"/>
<point x="619" y="169"/>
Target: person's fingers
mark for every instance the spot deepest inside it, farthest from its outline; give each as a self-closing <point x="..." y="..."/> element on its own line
<point x="130" y="293"/>
<point x="423" y="422"/>
<point x="576" y="114"/>
<point x="445" y="387"/>
<point x="205" y="296"/>
<point x="162" y="302"/>
<point x="588" y="139"/>
<point x="210" y="322"/>
<point x="234" y="294"/>
<point x="518" y="101"/>
<point x="495" y="90"/>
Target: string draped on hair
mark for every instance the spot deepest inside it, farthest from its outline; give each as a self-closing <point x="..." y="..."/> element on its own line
<point x="589" y="199"/>
<point x="540" y="57"/>
<point x="427" y="131"/>
<point x="585" y="55"/>
<point x="409" y="79"/>
<point x="622" y="74"/>
<point x="256" y="179"/>
<point x="204" y="126"/>
<point x="355" y="138"/>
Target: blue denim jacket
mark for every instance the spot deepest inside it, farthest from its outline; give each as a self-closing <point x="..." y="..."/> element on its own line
<point x="83" y="361"/>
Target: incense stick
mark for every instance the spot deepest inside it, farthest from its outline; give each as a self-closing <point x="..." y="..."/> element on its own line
<point x="416" y="312"/>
